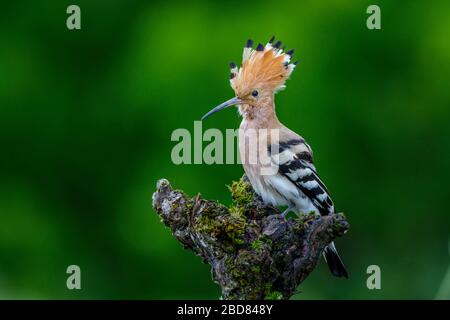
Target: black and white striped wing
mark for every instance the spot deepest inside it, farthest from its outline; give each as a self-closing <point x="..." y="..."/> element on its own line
<point x="295" y="162"/>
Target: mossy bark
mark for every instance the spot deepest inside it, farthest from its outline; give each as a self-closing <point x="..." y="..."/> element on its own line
<point x="254" y="252"/>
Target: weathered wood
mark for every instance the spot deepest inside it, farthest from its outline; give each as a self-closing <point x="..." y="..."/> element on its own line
<point x="254" y="252"/>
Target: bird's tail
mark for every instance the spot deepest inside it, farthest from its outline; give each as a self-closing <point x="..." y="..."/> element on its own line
<point x="334" y="262"/>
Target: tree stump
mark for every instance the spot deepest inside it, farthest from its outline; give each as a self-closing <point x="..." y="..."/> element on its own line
<point x="254" y="252"/>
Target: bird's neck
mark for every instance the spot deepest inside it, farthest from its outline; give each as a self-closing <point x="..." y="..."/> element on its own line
<point x="262" y="116"/>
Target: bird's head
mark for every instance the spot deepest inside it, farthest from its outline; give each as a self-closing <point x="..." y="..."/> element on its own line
<point x="263" y="72"/>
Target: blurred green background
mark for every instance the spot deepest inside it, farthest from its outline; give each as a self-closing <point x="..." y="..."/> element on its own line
<point x="86" y="118"/>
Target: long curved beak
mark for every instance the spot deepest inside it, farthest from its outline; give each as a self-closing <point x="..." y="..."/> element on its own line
<point x="226" y="104"/>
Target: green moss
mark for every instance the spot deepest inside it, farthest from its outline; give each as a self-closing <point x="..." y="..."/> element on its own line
<point x="274" y="295"/>
<point x="256" y="269"/>
<point x="236" y="212"/>
<point x="242" y="271"/>
<point x="241" y="192"/>
<point x="271" y="295"/>
<point x="229" y="223"/>
<point x="221" y="224"/>
<point x="257" y="245"/>
<point x="251" y="276"/>
<point x="242" y="195"/>
<point x="299" y="227"/>
<point x="234" y="228"/>
<point x="237" y="273"/>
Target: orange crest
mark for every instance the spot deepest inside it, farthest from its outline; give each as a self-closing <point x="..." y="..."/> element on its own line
<point x="266" y="67"/>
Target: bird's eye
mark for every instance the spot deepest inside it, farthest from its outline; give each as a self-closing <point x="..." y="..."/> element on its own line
<point x="255" y="93"/>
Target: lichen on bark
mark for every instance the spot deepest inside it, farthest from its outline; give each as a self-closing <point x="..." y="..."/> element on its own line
<point x="253" y="251"/>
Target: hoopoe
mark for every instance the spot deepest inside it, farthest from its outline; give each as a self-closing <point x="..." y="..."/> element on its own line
<point x="295" y="184"/>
